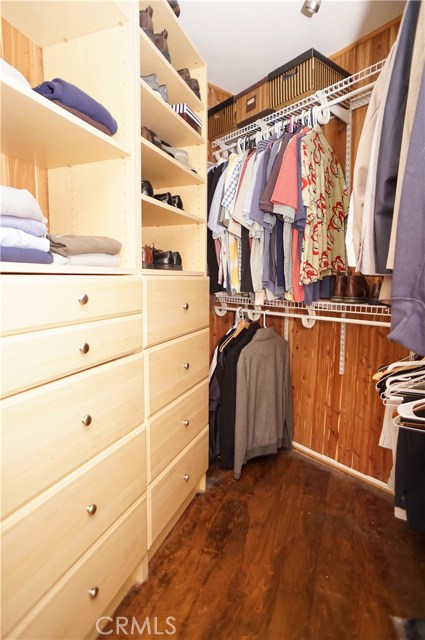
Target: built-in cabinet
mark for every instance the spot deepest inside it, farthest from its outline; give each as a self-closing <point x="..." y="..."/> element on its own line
<point x="104" y="370"/>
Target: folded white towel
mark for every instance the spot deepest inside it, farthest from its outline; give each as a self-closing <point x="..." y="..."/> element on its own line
<point x="20" y="203"/>
<point x="10" y="237"/>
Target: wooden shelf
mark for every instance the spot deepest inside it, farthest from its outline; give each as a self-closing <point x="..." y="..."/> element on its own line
<point x="166" y="123"/>
<point x="35" y="130"/>
<point x="156" y="213"/>
<point x="152" y="61"/>
<point x="162" y="170"/>
<point x="47" y="23"/>
<point x="170" y="272"/>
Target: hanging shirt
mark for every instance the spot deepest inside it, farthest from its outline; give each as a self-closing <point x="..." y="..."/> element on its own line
<point x="326" y="199"/>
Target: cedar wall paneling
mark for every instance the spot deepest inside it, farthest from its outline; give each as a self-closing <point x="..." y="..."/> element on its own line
<point x="215" y="96"/>
<point x="22" y="54"/>
<point x="339" y="416"/>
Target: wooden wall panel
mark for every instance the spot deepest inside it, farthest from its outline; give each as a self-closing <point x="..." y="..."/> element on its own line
<point x="25" y="56"/>
<point x="339" y="416"/>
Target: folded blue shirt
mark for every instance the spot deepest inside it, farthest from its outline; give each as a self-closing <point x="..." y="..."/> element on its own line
<point x="71" y="96"/>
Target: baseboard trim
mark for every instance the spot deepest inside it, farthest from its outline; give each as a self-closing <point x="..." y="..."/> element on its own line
<point x="337" y="465"/>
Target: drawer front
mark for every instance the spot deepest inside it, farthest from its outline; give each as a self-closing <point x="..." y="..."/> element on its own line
<point x="174" y="307"/>
<point x="172" y="487"/>
<point x="41" y="541"/>
<point x="68" y="611"/>
<point x="38" y="302"/>
<point x="176" y="367"/>
<point x="32" y="359"/>
<point x="173" y="428"/>
<point x="64" y="424"/>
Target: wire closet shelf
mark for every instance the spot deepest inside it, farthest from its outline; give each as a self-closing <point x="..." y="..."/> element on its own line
<point x="352" y="91"/>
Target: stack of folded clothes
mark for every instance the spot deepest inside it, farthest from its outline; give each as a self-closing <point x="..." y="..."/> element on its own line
<point x="22" y="228"/>
<point x="73" y="99"/>
<point x="94" y="251"/>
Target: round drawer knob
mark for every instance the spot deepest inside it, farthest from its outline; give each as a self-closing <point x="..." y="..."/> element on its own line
<point x="83" y="298"/>
<point x="84" y="348"/>
<point x="186" y="366"/>
<point x="93" y="592"/>
<point x="186" y="306"/>
<point x="186" y="423"/>
<point x="91" y="509"/>
<point x="186" y="477"/>
<point x="86" y="420"/>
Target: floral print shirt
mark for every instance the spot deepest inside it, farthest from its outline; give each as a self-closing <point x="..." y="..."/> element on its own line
<point x="325" y="197"/>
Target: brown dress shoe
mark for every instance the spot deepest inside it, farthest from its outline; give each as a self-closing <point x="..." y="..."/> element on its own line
<point x="146" y="23"/>
<point x="147" y="257"/>
<point x="357" y="290"/>
<point x="161" y="42"/>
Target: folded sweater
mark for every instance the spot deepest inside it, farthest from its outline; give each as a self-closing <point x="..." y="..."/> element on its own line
<point x="71" y="96"/>
<point x="68" y="245"/>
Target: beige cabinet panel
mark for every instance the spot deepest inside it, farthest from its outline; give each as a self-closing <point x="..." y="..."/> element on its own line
<point x="173" y="307"/>
<point x="77" y="510"/>
<point x="171" y="430"/>
<point x="35" y="358"/>
<point x="175" y="367"/>
<point x="64" y="424"/>
<point x="68" y="611"/>
<point x="175" y="484"/>
<point x="44" y="301"/>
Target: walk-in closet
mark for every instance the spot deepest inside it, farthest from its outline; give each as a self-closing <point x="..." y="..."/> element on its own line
<point x="212" y="399"/>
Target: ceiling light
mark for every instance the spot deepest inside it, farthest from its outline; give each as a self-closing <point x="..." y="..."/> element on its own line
<point x="310" y="7"/>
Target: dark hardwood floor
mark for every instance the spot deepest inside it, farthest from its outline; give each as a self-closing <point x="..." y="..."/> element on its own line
<point x="292" y="551"/>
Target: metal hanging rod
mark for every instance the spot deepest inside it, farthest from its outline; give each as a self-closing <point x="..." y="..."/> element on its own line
<point x="343" y="91"/>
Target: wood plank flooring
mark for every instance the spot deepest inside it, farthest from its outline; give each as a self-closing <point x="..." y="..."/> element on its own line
<point x="292" y="551"/>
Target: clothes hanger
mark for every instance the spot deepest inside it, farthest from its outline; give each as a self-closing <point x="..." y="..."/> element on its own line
<point x="242" y="323"/>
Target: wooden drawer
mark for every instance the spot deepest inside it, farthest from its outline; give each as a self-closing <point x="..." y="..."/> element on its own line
<point x="64" y="424"/>
<point x="68" y="611"/>
<point x="41" y="541"/>
<point x="174" y="307"/>
<point x="38" y="302"/>
<point x="32" y="359"/>
<point x="173" y="428"/>
<point x="175" y="367"/>
<point x="175" y="484"/>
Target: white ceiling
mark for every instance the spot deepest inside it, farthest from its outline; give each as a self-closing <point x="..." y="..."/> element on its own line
<point x="244" y="40"/>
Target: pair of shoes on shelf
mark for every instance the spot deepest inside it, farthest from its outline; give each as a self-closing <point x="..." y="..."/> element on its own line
<point x="157" y="259"/>
<point x="160" y="40"/>
<point x="191" y="82"/>
<point x="160" y="89"/>
<point x="355" y="289"/>
<point x="167" y="198"/>
<point x="178" y="154"/>
<point x="167" y="260"/>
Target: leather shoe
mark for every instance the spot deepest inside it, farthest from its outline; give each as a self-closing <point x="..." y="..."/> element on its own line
<point x="177" y="261"/>
<point x="177" y="202"/>
<point x="175" y="7"/>
<point x="163" y="259"/>
<point x="340" y="286"/>
<point x="166" y="198"/>
<point x="147" y="257"/>
<point x="146" y="23"/>
<point x="147" y="189"/>
<point x="357" y="290"/>
<point x="161" y="42"/>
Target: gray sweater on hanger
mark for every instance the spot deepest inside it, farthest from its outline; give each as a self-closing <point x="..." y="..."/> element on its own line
<point x="263" y="421"/>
